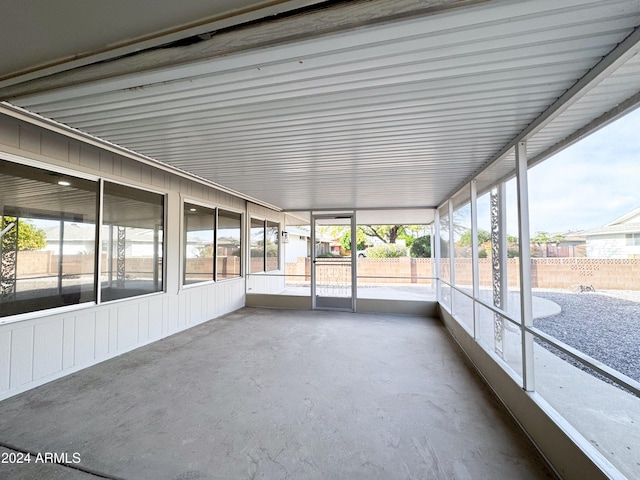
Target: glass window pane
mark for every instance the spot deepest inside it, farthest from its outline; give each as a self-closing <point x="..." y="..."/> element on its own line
<point x="229" y="246"/>
<point x="199" y="243"/>
<point x="48" y="245"/>
<point x="257" y="245"/>
<point x="585" y="275"/>
<point x="273" y="233"/>
<point x="445" y="265"/>
<point x="463" y="273"/>
<point x="132" y="236"/>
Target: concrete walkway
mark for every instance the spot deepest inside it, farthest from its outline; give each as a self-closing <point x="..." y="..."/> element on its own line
<point x="268" y="394"/>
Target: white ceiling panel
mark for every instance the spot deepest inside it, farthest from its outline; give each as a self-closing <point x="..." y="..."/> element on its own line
<point x="393" y="114"/>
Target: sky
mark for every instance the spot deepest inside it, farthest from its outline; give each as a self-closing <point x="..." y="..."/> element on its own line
<point x="587" y="185"/>
<point x="590" y="183"/>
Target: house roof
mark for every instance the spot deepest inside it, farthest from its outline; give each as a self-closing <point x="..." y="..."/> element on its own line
<point x="632" y="215"/>
<point x="369" y="106"/>
<point x="621" y="225"/>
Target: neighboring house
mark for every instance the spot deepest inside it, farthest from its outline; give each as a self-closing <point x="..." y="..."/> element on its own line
<point x="300" y="244"/>
<point x="618" y="239"/>
<point x="79" y="239"/>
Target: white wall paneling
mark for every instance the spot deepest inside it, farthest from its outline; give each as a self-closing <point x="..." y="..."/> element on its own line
<point x="50" y="344"/>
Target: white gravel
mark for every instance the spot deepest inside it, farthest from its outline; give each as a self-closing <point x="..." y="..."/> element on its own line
<point x="604" y="325"/>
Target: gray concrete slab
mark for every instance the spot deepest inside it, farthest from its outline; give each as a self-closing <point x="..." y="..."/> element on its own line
<point x="269" y="394"/>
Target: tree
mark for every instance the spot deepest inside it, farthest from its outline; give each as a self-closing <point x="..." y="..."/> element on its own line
<point x="391" y="233"/>
<point x="421" y="247"/>
<point x="465" y="238"/>
<point x="30" y="237"/>
<point x="345" y="241"/>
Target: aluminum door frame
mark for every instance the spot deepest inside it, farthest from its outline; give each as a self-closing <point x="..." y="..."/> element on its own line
<point x="334" y="216"/>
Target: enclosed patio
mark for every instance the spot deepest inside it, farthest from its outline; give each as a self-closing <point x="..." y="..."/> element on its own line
<point x="275" y="394"/>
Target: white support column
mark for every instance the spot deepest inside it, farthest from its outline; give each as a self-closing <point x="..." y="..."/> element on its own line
<point x="474" y="254"/>
<point x="524" y="239"/>
<point x="435" y="247"/>
<point x="452" y="276"/>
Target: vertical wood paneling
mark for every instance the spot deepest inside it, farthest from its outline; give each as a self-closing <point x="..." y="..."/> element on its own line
<point x="102" y="334"/>
<point x="173" y="314"/>
<point x="127" y="326"/>
<point x="51" y="346"/>
<point x="143" y="322"/>
<point x="29" y="139"/>
<point x="130" y="169"/>
<point x="113" y="330"/>
<point x="5" y="358"/>
<point x="55" y="146"/>
<point x="158" y="178"/>
<point x="182" y="304"/>
<point x="117" y="165"/>
<point x="74" y="153"/>
<point x="106" y="162"/>
<point x="90" y="157"/>
<point x="9" y="132"/>
<point x="68" y="341"/>
<point x="145" y="174"/>
<point x="21" y="356"/>
<point x="165" y="315"/>
<point x="47" y="348"/>
<point x="195" y="306"/>
<point x="84" y="347"/>
<point x="155" y="318"/>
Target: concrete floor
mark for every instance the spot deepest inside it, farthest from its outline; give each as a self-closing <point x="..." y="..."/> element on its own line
<point x="269" y="394"/>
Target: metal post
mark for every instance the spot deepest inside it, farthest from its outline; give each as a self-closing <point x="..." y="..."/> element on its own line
<point x="354" y="262"/>
<point x="435" y="244"/>
<point x="452" y="267"/>
<point x="97" y="277"/>
<point x="474" y="255"/>
<point x="524" y="239"/>
<point x="60" y="255"/>
<point x="313" y="261"/>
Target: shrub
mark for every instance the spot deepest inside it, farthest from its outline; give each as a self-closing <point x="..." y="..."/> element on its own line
<point x="421" y="247"/>
<point x="388" y="250"/>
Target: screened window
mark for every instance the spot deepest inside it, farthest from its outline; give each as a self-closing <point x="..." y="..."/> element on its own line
<point x="132" y="233"/>
<point x="229" y="244"/>
<point x="48" y="239"/>
<point x="199" y="244"/>
<point x="633" y="239"/>
<point x="257" y="246"/>
<point x="272" y="250"/>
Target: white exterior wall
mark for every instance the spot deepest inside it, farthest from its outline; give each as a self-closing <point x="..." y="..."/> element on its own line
<point x="297" y="247"/>
<point x="46" y="345"/>
<point x="607" y="246"/>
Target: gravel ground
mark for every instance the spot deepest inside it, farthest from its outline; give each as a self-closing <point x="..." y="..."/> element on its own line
<point x="604" y="325"/>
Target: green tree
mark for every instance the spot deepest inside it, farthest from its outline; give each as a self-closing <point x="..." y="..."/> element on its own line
<point x="361" y="238"/>
<point x="391" y="233"/>
<point x="465" y="238"/>
<point x="30" y="237"/>
<point x="421" y="247"/>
